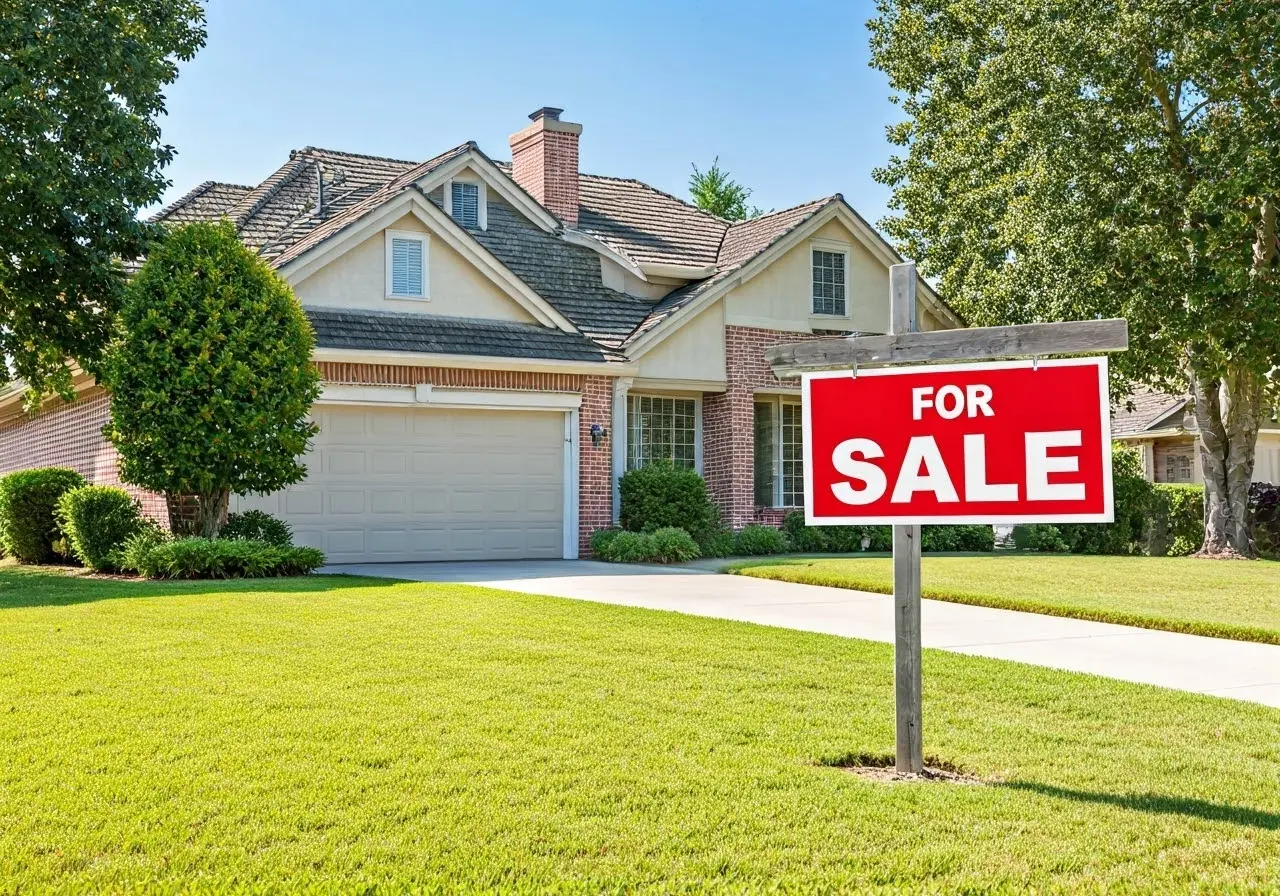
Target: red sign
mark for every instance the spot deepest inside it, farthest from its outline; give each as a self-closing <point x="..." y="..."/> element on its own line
<point x="1000" y="442"/>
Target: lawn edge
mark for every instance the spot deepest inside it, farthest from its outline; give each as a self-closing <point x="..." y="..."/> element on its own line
<point x="804" y="576"/>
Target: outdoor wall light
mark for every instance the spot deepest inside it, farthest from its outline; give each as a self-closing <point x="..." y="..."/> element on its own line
<point x="598" y="434"/>
<point x="866" y="542"/>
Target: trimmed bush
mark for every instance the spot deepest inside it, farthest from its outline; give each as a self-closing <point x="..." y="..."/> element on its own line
<point x="719" y="543"/>
<point x="666" y="545"/>
<point x="1135" y="501"/>
<point x="975" y="539"/>
<point x="257" y="525"/>
<point x="660" y="495"/>
<point x="97" y="519"/>
<point x="834" y="539"/>
<point x="1176" y="520"/>
<point x="132" y="553"/>
<point x="28" y="500"/>
<point x="1042" y="537"/>
<point x="1264" y="518"/>
<point x="221" y="558"/>
<point x="758" y="541"/>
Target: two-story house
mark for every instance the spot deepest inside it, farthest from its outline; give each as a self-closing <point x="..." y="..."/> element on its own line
<point x="500" y="342"/>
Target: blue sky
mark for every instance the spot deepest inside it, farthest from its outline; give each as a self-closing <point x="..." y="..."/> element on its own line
<point x="782" y="92"/>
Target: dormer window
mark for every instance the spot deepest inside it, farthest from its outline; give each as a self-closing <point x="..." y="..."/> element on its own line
<point x="829" y="282"/>
<point x="465" y="203"/>
<point x="407" y="265"/>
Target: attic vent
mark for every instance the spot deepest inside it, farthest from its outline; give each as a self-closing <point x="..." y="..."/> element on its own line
<point x="466" y="204"/>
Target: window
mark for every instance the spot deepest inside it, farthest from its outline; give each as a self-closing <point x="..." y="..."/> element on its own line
<point x="779" y="454"/>
<point x="1176" y="465"/>
<point x="662" y="429"/>
<point x="828" y="282"/>
<point x="406" y="265"/>
<point x="466" y="204"/>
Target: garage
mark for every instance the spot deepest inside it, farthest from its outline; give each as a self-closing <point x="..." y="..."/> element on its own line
<point x="388" y="484"/>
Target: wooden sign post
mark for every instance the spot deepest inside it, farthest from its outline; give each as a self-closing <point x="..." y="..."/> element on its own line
<point x="1029" y="436"/>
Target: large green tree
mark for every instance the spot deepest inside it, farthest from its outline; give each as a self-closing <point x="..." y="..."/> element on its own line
<point x="1070" y="159"/>
<point x="210" y="375"/>
<point x="80" y="153"/>
<point x="715" y="191"/>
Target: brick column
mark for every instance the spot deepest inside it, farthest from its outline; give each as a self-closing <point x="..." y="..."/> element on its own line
<point x="595" y="464"/>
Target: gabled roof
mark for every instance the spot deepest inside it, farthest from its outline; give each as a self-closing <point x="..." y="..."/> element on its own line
<point x="646" y="224"/>
<point x="746" y="239"/>
<point x="1142" y="410"/>
<point x="209" y="200"/>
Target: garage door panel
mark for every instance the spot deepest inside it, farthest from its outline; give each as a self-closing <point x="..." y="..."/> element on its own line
<point x="396" y="484"/>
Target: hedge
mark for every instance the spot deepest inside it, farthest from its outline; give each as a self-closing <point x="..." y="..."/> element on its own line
<point x="666" y="545"/>
<point x="97" y="519"/>
<point x="222" y="558"/>
<point x="28" y="501"/>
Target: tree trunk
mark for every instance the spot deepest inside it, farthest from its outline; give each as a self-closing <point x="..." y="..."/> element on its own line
<point x="213" y="512"/>
<point x="1227" y="411"/>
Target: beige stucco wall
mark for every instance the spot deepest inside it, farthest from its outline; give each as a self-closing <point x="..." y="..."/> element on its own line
<point x="357" y="279"/>
<point x="781" y="296"/>
<point x="694" y="352"/>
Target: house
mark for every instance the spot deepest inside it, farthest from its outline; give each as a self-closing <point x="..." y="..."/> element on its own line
<point x="1163" y="428"/>
<point x="500" y="341"/>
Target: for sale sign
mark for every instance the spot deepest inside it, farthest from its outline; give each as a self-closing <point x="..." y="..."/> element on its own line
<point x="999" y="442"/>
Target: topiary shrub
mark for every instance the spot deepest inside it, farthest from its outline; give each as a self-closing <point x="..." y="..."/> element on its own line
<point x="1042" y="537"/>
<point x="28" y="504"/>
<point x="222" y="558"/>
<point x="97" y="519"/>
<point x="666" y="545"/>
<point x="659" y="495"/>
<point x="1135" y="501"/>
<point x="1264" y="519"/>
<point x="758" y="541"/>
<point x="971" y="539"/>
<point x="257" y="525"/>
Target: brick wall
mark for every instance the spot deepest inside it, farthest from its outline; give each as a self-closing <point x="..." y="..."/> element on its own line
<point x="595" y="468"/>
<point x="544" y="160"/>
<point x="728" y="425"/>
<point x="70" y="435"/>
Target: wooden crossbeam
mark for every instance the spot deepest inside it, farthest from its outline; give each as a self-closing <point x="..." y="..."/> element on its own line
<point x="969" y="344"/>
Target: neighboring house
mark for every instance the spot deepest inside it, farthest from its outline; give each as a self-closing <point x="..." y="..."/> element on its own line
<point x="500" y="342"/>
<point x="1163" y="428"/>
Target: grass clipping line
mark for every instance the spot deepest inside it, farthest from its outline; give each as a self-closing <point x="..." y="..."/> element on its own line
<point x="804" y="575"/>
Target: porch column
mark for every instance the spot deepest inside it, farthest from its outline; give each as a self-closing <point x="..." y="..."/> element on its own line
<point x="621" y="389"/>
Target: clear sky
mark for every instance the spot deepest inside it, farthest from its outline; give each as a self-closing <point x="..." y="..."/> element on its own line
<point x="781" y="91"/>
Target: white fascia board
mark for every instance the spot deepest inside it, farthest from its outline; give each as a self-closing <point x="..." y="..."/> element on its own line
<point x="428" y="396"/>
<point x="664" y="384"/>
<point x="493" y="177"/>
<point x="678" y="271"/>
<point x="472" y="362"/>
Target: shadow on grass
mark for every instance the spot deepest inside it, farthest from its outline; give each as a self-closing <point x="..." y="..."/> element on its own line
<point x="1157" y="804"/>
<point x="51" y="586"/>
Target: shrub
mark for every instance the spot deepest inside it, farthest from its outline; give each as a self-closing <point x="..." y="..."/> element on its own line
<point x="834" y="539"/>
<point x="659" y="495"/>
<point x="28" y="500"/>
<point x="132" y="553"/>
<point x="1042" y="537"/>
<point x="97" y="519"/>
<point x="978" y="539"/>
<point x="1135" y="501"/>
<point x="757" y="541"/>
<point x="666" y="545"/>
<point x="601" y="539"/>
<point x="257" y="525"/>
<point x="719" y="543"/>
<point x="1177" y="520"/>
<point x="207" y="558"/>
<point x="1264" y="518"/>
<point x="804" y="538"/>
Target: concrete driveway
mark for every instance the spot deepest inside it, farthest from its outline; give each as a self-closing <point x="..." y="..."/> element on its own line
<point x="1237" y="669"/>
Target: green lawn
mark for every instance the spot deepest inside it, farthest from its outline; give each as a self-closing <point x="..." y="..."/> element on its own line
<point x="1224" y="599"/>
<point x="349" y="734"/>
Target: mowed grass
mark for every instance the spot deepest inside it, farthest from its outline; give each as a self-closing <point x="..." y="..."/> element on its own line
<point x="1218" y="598"/>
<point x="347" y="734"/>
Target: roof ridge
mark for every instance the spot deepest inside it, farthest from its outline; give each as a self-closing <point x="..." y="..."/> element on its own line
<point x="354" y="155"/>
<point x="282" y="175"/>
<point x="198" y="190"/>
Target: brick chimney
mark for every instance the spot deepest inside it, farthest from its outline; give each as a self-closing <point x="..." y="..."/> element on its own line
<point x="544" y="160"/>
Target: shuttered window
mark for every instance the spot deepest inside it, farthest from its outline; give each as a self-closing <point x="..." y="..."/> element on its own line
<point x="828" y="282"/>
<point x="465" y="202"/>
<point x="406" y="266"/>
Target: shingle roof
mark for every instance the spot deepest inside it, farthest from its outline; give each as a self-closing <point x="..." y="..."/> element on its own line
<point x="438" y="334"/>
<point x="208" y="201"/>
<point x="746" y="239"/>
<point x="646" y="224"/>
<point x="1147" y="408"/>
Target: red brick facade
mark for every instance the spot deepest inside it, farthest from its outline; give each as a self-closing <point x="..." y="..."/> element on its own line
<point x="595" y="463"/>
<point x="544" y="160"/>
<point x="728" y="453"/>
<point x="70" y="435"/>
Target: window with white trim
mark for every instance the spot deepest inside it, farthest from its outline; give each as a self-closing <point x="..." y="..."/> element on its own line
<point x="662" y="428"/>
<point x="466" y="203"/>
<point x="779" y="453"/>
<point x="829" y="282"/>
<point x="406" y="265"/>
<point x="1177" y="465"/>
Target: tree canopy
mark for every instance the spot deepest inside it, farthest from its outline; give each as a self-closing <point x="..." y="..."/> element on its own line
<point x="1068" y="160"/>
<point x="210" y="375"/>
<point x="80" y="154"/>
<point x="715" y="191"/>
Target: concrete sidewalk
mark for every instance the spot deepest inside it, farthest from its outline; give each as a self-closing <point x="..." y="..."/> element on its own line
<point x="1237" y="669"/>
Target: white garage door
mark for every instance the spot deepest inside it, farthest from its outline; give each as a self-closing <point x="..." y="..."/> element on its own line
<point x="388" y="484"/>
